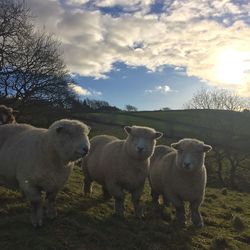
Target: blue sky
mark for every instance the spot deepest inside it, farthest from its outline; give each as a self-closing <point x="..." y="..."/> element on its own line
<point x="137" y="86"/>
<point x="150" y="53"/>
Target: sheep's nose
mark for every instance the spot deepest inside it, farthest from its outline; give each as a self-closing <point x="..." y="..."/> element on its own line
<point x="186" y="164"/>
<point x="140" y="149"/>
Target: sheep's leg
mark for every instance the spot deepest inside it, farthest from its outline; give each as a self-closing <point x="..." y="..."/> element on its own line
<point x="51" y="200"/>
<point x="180" y="210"/>
<point x="87" y="183"/>
<point x="136" y="195"/>
<point x="180" y="214"/>
<point x="195" y="214"/>
<point x="36" y="213"/>
<point x="106" y="195"/>
<point x="33" y="195"/>
<point x="165" y="201"/>
<point x="155" y="200"/>
<point x="117" y="192"/>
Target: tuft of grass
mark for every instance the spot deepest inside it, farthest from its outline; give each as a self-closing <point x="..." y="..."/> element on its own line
<point x="238" y="223"/>
<point x="220" y="243"/>
<point x="237" y="209"/>
<point x="224" y="191"/>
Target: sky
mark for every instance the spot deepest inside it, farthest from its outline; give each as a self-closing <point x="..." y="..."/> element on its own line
<point x="150" y="53"/>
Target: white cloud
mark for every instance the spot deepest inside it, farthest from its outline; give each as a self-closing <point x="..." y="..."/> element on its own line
<point x="95" y="93"/>
<point x="163" y="89"/>
<point x="189" y="34"/>
<point x="76" y="2"/>
<point x="80" y="91"/>
<point x="131" y="5"/>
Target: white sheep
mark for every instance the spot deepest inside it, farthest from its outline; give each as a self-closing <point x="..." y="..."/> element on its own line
<point x="181" y="176"/>
<point x="120" y="165"/>
<point x="35" y="159"/>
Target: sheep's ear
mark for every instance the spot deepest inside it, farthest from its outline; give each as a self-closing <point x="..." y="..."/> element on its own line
<point x="59" y="129"/>
<point x="128" y="129"/>
<point x="10" y="110"/>
<point x="207" y="148"/>
<point x="15" y="111"/>
<point x="158" y="135"/>
<point x="175" y="145"/>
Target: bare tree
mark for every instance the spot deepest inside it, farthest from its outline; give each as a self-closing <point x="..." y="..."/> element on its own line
<point x="30" y="62"/>
<point x="215" y="98"/>
<point x="130" y="108"/>
<point x="225" y="133"/>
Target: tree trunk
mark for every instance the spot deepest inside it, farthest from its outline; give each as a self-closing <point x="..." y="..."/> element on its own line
<point x="219" y="173"/>
<point x="232" y="175"/>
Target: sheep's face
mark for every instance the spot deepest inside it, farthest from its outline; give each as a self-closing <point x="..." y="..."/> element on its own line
<point x="141" y="141"/>
<point x="190" y="154"/>
<point x="6" y="115"/>
<point x="71" y="139"/>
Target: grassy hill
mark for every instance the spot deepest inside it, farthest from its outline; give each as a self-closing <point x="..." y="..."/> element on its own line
<point x="87" y="223"/>
<point x="211" y="125"/>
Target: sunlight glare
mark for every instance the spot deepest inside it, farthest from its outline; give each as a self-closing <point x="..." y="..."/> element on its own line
<point x="230" y="67"/>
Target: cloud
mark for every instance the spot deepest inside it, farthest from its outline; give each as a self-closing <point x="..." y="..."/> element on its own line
<point x="76" y="2"/>
<point x="80" y="91"/>
<point x="188" y="34"/>
<point x="131" y="6"/>
<point x="163" y="89"/>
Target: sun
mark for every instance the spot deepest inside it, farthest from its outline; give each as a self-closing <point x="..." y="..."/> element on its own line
<point x="230" y="67"/>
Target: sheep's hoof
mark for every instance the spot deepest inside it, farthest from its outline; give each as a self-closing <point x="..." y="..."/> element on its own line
<point x="181" y="223"/>
<point x="86" y="195"/>
<point x="199" y="224"/>
<point x="157" y="210"/>
<point x="36" y="223"/>
<point x="119" y="216"/>
<point x="140" y="217"/>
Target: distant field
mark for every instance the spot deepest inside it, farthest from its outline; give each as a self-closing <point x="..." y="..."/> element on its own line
<point x="213" y="126"/>
<point x="88" y="223"/>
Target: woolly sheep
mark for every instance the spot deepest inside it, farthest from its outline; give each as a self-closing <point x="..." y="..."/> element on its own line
<point x="35" y="159"/>
<point x="181" y="176"/>
<point x="6" y="115"/>
<point x="120" y="165"/>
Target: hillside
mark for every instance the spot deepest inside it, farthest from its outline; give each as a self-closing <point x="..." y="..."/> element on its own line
<point x="214" y="126"/>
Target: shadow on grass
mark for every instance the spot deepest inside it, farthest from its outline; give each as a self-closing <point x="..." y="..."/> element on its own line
<point x="88" y="223"/>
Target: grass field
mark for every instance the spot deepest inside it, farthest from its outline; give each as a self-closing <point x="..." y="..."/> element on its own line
<point x="213" y="126"/>
<point x="88" y="223"/>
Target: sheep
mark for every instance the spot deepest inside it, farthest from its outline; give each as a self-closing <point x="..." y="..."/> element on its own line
<point x="120" y="165"/>
<point x="6" y="115"/>
<point x="35" y="159"/>
<point x="181" y="176"/>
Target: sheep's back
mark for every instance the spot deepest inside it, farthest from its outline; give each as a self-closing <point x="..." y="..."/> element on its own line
<point x="161" y="168"/>
<point x="18" y="151"/>
<point x="159" y="152"/>
<point x="95" y="162"/>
